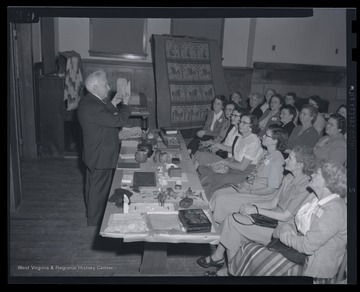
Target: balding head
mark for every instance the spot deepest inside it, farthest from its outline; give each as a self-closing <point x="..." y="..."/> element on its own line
<point x="96" y="83"/>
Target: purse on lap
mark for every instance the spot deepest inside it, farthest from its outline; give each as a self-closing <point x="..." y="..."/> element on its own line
<point x="290" y="253"/>
<point x="264" y="221"/>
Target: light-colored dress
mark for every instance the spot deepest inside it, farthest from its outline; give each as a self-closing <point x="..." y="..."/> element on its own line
<point x="245" y="147"/>
<point x="269" y="174"/>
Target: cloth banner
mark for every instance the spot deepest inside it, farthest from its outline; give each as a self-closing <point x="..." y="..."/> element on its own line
<point x="70" y="66"/>
<point x="188" y="74"/>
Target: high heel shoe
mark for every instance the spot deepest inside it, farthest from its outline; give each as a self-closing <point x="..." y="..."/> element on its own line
<point x="217" y="264"/>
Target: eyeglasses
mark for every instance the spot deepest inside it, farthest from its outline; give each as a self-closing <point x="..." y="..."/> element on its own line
<point x="243" y="122"/>
<point x="269" y="136"/>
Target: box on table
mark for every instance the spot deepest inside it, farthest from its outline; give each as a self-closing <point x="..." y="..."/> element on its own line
<point x="174" y="172"/>
<point x="195" y="220"/>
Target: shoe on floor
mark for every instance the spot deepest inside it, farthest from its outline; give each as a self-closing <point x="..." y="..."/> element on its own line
<point x="217" y="264"/>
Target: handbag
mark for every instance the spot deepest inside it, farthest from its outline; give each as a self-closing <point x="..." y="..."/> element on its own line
<point x="222" y="153"/>
<point x="290" y="253"/>
<point x="264" y="221"/>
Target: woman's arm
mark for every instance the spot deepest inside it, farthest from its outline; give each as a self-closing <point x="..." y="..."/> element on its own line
<point x="278" y="215"/>
<point x="220" y="146"/>
<point x="247" y="189"/>
<point x="234" y="164"/>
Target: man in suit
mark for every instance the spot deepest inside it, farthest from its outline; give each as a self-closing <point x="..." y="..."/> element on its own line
<point x="100" y="121"/>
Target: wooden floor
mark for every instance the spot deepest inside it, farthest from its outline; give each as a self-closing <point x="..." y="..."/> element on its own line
<point x="49" y="236"/>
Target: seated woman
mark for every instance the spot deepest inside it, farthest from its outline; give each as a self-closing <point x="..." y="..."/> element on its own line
<point x="333" y="145"/>
<point x="290" y="99"/>
<point x="255" y="102"/>
<point x="214" y="123"/>
<point x="342" y="111"/>
<point x="320" y="122"/>
<point x="218" y="151"/>
<point x="246" y="154"/>
<point x="237" y="229"/>
<point x="261" y="185"/>
<point x="236" y="97"/>
<point x="319" y="230"/>
<point x="229" y="108"/>
<point x="304" y="134"/>
<point x="287" y="118"/>
<point x="271" y="115"/>
<point x="268" y="94"/>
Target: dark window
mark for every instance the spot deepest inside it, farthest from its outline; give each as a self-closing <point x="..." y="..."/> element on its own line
<point x="118" y="37"/>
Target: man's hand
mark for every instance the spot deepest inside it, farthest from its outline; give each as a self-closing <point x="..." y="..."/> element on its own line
<point x="200" y="133"/>
<point x="126" y="99"/>
<point x="118" y="98"/>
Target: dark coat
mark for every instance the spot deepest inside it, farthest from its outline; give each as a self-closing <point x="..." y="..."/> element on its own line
<point x="100" y="123"/>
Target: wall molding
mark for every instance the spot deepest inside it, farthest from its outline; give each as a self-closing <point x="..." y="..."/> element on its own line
<point x="298" y="67"/>
<point x="118" y="63"/>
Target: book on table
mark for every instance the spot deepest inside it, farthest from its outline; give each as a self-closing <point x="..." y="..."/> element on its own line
<point x="144" y="179"/>
<point x="169" y="130"/>
<point x="195" y="220"/>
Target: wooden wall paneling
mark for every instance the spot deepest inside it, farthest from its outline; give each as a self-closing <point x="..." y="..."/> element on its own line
<point x="239" y="79"/>
<point x="26" y="91"/>
<point x="304" y="80"/>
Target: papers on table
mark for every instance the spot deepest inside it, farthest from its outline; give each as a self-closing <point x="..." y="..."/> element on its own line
<point x="150" y="207"/>
<point x="127" y="223"/>
<point x="130" y="133"/>
<point x="128" y="149"/>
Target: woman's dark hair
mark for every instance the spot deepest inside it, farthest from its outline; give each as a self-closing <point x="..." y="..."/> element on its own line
<point x="317" y="99"/>
<point x="293" y="94"/>
<point x="312" y="110"/>
<point x="220" y="97"/>
<point x="305" y="155"/>
<point x="341" y="122"/>
<point x="231" y="102"/>
<point x="254" y="124"/>
<point x="272" y="89"/>
<point x="334" y="175"/>
<point x="279" y="97"/>
<point x="237" y="92"/>
<point x="279" y="134"/>
<point x="240" y="110"/>
<point x="291" y="110"/>
<point x="341" y="106"/>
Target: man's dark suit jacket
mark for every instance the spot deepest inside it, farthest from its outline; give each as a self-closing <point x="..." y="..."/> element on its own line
<point x="100" y="123"/>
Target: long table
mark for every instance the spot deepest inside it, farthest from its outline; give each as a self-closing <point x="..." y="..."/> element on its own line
<point x="154" y="260"/>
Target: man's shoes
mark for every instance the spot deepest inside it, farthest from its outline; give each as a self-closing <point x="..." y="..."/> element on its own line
<point x="217" y="264"/>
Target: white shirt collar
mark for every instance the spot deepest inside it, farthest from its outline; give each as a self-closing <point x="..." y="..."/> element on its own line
<point x="98" y="97"/>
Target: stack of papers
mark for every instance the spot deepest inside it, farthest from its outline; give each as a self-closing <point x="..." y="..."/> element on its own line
<point x="130" y="133"/>
<point x="128" y="149"/>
